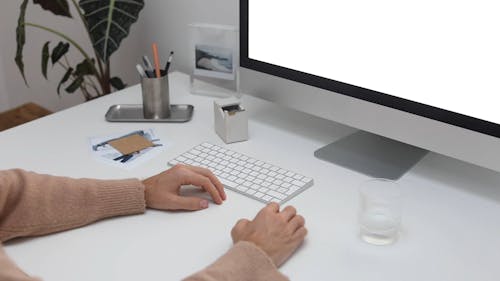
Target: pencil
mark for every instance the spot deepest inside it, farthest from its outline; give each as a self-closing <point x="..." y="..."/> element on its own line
<point x="157" y="60"/>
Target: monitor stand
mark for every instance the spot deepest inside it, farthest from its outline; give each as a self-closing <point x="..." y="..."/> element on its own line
<point x="372" y="155"/>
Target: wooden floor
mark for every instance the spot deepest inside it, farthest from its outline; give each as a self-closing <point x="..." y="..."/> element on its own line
<point x="22" y="114"/>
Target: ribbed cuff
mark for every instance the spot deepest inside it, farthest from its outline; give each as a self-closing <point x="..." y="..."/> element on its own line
<point x="120" y="197"/>
<point x="243" y="262"/>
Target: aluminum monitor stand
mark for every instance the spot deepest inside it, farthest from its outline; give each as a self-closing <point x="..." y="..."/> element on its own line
<point x="372" y="155"/>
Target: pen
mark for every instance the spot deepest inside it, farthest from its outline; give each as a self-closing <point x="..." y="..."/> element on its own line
<point x="141" y="71"/>
<point x="156" y="59"/>
<point x="169" y="61"/>
<point x="147" y="63"/>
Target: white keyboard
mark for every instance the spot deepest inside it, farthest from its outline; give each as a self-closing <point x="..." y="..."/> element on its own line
<point x="246" y="175"/>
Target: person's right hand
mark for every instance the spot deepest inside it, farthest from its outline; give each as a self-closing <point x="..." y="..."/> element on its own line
<point x="277" y="233"/>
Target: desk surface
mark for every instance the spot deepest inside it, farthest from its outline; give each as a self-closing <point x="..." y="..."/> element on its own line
<point x="451" y="226"/>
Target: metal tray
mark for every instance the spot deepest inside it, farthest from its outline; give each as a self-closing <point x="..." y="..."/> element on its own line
<point x="133" y="113"/>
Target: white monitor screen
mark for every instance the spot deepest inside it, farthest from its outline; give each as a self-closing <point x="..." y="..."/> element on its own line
<point x="443" y="53"/>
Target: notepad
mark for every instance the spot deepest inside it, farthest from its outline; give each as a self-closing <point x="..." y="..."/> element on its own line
<point x="131" y="144"/>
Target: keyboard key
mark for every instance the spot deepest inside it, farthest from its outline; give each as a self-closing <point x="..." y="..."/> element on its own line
<point x="299" y="183"/>
<point x="267" y="198"/>
<point x="241" y="188"/>
<point x="274" y="187"/>
<point x="276" y="194"/>
<point x="264" y="190"/>
<point x="228" y="183"/>
<point x="259" y="194"/>
<point x="195" y="152"/>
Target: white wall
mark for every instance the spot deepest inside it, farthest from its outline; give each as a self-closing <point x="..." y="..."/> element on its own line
<point x="4" y="99"/>
<point x="14" y="92"/>
<point x="167" y="23"/>
<point x="162" y="21"/>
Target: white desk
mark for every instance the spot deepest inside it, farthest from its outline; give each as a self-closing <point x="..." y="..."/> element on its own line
<point x="451" y="225"/>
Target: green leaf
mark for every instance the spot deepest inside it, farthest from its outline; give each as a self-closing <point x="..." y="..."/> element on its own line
<point x="45" y="58"/>
<point x="60" y="50"/>
<point x="21" y="39"/>
<point x="74" y="85"/>
<point x="109" y="22"/>
<point x="85" y="68"/>
<point x="57" y="7"/>
<point x="117" y="83"/>
<point x="64" y="79"/>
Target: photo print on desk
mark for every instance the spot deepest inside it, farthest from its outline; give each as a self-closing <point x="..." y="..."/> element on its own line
<point x="106" y="150"/>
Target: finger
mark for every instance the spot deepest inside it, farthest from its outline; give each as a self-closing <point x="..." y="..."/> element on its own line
<point x="288" y="213"/>
<point x="296" y="222"/>
<point x="215" y="181"/>
<point x="300" y="234"/>
<point x="189" y="203"/>
<point x="238" y="228"/>
<point x="273" y="206"/>
<point x="196" y="179"/>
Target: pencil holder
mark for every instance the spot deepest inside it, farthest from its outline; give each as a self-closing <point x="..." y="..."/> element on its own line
<point x="155" y="97"/>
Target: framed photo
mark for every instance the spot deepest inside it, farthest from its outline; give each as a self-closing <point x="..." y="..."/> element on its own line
<point x="214" y="59"/>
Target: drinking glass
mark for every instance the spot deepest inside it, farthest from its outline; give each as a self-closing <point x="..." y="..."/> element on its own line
<point x="380" y="211"/>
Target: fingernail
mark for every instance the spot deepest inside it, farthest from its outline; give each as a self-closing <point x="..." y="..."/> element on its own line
<point x="204" y="204"/>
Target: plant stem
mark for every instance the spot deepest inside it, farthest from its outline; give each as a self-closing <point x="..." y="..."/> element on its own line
<point x="85" y="23"/>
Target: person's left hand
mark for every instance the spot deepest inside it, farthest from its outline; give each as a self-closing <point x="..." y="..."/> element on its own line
<point x="162" y="191"/>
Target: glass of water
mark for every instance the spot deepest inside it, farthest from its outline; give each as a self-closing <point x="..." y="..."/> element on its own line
<point x="380" y="211"/>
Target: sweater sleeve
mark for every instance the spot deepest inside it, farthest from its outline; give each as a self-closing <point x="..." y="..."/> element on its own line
<point x="32" y="204"/>
<point x="243" y="262"/>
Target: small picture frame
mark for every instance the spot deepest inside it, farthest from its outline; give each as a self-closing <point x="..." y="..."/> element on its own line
<point x="214" y="54"/>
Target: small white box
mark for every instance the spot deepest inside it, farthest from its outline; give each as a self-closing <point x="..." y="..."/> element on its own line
<point x="230" y="120"/>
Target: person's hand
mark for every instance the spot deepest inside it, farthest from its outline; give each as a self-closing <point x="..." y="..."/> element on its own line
<point x="277" y="233"/>
<point x="162" y="191"/>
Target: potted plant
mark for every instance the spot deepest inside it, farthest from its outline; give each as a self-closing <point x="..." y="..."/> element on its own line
<point x="107" y="23"/>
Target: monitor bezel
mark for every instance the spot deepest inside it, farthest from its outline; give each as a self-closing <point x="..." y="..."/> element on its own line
<point x="428" y="111"/>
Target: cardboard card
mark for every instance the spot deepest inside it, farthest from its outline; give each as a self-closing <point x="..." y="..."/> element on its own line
<point x="131" y="144"/>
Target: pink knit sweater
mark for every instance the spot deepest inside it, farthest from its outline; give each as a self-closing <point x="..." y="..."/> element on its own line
<point x="33" y="204"/>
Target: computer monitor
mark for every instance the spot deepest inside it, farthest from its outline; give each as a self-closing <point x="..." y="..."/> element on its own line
<point x="416" y="76"/>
